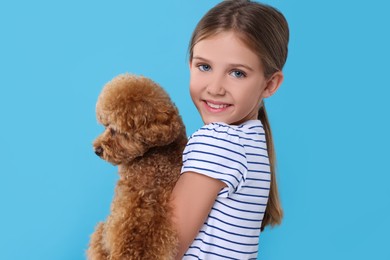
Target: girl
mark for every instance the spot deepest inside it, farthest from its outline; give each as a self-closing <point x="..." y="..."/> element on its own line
<point x="227" y="191"/>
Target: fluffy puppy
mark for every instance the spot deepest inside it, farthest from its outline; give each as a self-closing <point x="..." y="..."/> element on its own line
<point x="145" y="136"/>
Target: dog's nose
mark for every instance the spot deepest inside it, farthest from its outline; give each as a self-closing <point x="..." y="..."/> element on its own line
<point x="99" y="151"/>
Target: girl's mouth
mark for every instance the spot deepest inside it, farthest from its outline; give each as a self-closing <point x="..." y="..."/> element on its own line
<point x="215" y="106"/>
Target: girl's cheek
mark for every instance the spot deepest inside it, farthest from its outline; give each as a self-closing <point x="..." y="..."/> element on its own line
<point x="198" y="80"/>
<point x="192" y="90"/>
<point x="194" y="82"/>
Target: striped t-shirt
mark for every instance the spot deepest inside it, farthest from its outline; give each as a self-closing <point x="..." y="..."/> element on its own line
<point x="236" y="155"/>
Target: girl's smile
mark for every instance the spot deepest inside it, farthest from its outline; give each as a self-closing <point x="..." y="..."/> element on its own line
<point x="214" y="106"/>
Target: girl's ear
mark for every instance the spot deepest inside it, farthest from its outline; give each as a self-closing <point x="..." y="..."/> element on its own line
<point x="273" y="83"/>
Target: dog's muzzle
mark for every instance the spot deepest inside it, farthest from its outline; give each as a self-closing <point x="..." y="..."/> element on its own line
<point x="99" y="151"/>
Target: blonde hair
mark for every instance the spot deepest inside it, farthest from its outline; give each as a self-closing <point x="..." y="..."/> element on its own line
<point x="265" y="31"/>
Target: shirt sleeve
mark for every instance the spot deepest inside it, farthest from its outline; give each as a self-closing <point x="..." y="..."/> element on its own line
<point x="216" y="151"/>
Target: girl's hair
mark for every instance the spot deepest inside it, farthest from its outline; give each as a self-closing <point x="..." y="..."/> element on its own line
<point x="265" y="31"/>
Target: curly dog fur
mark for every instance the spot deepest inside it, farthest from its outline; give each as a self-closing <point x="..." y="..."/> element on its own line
<point x="145" y="137"/>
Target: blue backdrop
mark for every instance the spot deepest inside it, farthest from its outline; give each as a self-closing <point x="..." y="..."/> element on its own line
<point x="330" y="120"/>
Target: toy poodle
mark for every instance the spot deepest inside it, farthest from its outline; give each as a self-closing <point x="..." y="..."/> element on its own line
<point x="145" y="136"/>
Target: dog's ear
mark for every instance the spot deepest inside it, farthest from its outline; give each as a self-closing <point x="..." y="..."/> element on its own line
<point x="159" y="125"/>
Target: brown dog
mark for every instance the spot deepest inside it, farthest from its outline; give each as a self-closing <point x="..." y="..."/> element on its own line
<point x="145" y="137"/>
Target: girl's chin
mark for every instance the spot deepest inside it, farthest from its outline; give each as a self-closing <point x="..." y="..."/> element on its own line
<point x="208" y="120"/>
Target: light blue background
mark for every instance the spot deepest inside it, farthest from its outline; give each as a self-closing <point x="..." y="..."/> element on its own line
<point x="330" y="120"/>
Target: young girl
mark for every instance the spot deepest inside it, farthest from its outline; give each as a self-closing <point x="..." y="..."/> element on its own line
<point x="227" y="191"/>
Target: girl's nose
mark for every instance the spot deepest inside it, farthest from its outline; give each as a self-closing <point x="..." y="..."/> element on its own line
<point x="216" y="88"/>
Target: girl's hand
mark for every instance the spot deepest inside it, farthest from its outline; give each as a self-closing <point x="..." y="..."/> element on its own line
<point x="192" y="198"/>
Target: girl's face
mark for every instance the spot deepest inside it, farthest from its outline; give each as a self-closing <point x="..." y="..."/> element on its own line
<point x="227" y="80"/>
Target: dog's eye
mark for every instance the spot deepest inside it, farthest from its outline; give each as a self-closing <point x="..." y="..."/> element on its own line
<point x="112" y="131"/>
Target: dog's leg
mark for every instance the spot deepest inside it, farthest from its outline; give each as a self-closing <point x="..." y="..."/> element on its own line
<point x="96" y="250"/>
<point x="122" y="226"/>
<point x="143" y="229"/>
<point x="162" y="240"/>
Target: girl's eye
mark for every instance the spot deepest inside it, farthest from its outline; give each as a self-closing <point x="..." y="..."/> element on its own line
<point x="238" y="74"/>
<point x="204" y="67"/>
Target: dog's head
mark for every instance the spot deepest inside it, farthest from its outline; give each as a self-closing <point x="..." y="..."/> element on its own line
<point x="137" y="114"/>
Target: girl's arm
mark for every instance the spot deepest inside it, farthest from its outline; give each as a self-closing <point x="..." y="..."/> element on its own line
<point x="192" y="198"/>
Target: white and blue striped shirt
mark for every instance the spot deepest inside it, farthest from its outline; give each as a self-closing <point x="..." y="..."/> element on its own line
<point x="236" y="155"/>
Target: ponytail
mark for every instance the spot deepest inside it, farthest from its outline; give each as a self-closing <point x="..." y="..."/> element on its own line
<point x="273" y="213"/>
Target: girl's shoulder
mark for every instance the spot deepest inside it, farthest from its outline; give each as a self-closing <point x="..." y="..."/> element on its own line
<point x="218" y="130"/>
<point x="221" y="151"/>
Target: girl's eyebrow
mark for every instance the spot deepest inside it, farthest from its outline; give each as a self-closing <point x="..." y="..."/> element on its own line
<point x="200" y="58"/>
<point x="232" y="64"/>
